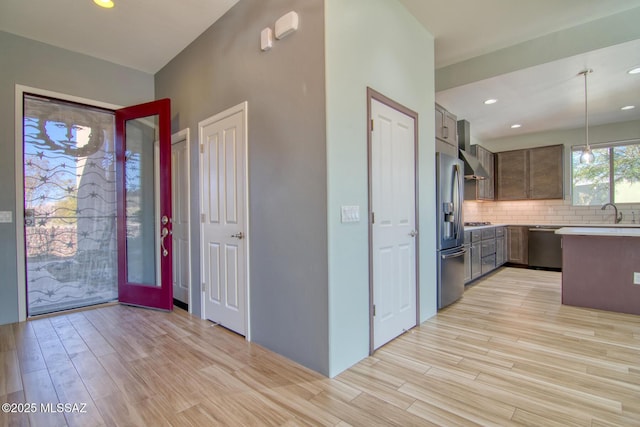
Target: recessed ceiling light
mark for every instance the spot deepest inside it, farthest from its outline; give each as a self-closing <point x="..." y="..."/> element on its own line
<point x="516" y="126"/>
<point x="107" y="4"/>
<point x="628" y="107"/>
<point x="635" y="70"/>
<point x="490" y="101"/>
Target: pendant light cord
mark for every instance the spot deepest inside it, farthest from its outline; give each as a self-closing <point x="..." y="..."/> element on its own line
<point x="587" y="155"/>
<point x="586" y="111"/>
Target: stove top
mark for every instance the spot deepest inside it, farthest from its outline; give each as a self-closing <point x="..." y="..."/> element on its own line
<point x="477" y="223"/>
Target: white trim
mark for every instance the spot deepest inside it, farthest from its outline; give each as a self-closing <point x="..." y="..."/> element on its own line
<point x="184" y="135"/>
<point x="608" y="144"/>
<point x="240" y="108"/>
<point x="19" y="162"/>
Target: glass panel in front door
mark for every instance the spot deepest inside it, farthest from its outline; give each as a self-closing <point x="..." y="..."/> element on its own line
<point x="141" y="187"/>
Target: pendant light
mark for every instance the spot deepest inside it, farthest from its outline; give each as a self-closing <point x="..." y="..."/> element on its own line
<point x="587" y="156"/>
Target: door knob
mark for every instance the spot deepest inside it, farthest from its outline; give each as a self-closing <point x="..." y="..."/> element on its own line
<point x="239" y="235"/>
<point x="413" y="233"/>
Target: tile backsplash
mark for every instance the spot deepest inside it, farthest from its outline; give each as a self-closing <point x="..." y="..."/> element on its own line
<point x="533" y="212"/>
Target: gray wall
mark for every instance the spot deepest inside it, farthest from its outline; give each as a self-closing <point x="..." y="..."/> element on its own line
<point x="285" y="90"/>
<point x="42" y="66"/>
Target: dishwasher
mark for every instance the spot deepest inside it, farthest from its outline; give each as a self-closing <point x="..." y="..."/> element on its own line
<point x="545" y="248"/>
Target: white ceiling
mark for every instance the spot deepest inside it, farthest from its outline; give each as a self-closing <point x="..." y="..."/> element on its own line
<point x="551" y="96"/>
<point x="464" y="29"/>
<point x="141" y="34"/>
<point x="542" y="98"/>
<point x="146" y="34"/>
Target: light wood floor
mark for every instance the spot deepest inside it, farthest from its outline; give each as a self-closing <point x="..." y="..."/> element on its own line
<point x="507" y="354"/>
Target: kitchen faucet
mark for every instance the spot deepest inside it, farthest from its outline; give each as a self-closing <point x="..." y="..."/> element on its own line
<point x="618" y="216"/>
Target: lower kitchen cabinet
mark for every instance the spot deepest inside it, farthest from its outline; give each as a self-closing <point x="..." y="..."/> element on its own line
<point x="501" y="246"/>
<point x="467" y="265"/>
<point x="476" y="260"/>
<point x="486" y="249"/>
<point x="518" y="245"/>
<point x="500" y="258"/>
<point x="467" y="257"/>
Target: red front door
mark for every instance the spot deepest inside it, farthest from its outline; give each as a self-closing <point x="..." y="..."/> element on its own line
<point x="143" y="151"/>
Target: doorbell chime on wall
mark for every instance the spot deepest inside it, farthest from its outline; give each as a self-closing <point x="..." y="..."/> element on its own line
<point x="285" y="25"/>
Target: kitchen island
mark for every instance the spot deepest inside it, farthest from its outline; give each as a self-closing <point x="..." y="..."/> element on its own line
<point x="601" y="268"/>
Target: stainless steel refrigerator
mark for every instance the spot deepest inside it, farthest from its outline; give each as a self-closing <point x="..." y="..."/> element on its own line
<point x="450" y="231"/>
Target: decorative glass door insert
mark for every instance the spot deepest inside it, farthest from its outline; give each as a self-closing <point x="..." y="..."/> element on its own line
<point x="70" y="205"/>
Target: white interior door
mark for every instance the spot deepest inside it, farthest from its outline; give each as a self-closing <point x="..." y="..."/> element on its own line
<point x="180" y="209"/>
<point x="393" y="251"/>
<point x="224" y="218"/>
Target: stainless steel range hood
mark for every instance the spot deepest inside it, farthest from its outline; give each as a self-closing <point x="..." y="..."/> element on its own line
<point x="472" y="167"/>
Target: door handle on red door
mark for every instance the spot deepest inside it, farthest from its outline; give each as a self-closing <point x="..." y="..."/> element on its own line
<point x="165" y="233"/>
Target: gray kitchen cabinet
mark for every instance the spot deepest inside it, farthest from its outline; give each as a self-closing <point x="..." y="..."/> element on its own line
<point x="500" y="259"/>
<point x="476" y="260"/>
<point x="512" y="171"/>
<point x="545" y="172"/>
<point x="446" y="132"/>
<point x="467" y="257"/>
<point x="500" y="246"/>
<point x="535" y="173"/>
<point x="518" y="244"/>
<point x="482" y="189"/>
<point x="486" y="249"/>
<point x="473" y="257"/>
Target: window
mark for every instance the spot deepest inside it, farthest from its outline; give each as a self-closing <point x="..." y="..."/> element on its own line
<point x="613" y="177"/>
<point x="70" y="204"/>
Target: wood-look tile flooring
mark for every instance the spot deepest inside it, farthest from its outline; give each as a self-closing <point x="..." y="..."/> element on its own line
<point x="507" y="354"/>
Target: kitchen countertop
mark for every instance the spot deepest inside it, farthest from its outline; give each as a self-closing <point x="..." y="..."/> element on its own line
<point x="480" y="227"/>
<point x="601" y="231"/>
<point x="555" y="225"/>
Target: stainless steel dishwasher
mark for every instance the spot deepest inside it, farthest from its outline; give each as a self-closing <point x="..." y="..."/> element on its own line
<point x="545" y="247"/>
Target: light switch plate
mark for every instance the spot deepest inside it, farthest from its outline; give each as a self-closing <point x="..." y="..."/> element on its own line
<point x="350" y="214"/>
<point x="6" y="216"/>
<point x="636" y="278"/>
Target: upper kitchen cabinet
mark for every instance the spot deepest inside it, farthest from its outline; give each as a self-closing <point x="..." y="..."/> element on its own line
<point x="512" y="171"/>
<point x="481" y="189"/>
<point x="535" y="173"/>
<point x="545" y="172"/>
<point x="446" y="132"/>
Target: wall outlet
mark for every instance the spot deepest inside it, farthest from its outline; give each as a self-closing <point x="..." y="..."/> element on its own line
<point x="636" y="278"/>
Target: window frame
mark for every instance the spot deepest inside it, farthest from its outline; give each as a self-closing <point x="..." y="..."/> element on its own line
<point x="610" y="146"/>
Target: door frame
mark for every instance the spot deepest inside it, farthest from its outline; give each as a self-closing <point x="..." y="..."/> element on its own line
<point x="20" y="90"/>
<point x="185" y="135"/>
<point x="375" y="95"/>
<point x="243" y="108"/>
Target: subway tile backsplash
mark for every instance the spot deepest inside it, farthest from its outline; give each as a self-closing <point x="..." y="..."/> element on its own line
<point x="533" y="212"/>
